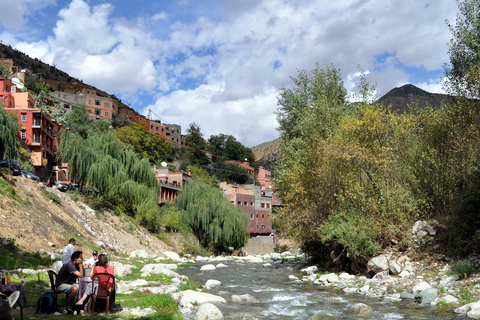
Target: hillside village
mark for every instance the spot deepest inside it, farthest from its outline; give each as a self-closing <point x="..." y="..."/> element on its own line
<point x="39" y="133"/>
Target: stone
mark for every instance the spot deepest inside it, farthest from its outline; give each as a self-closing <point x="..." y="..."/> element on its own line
<point x="172" y="256"/>
<point x="292" y="277"/>
<point x="191" y="296"/>
<point x="346" y="276"/>
<point x="139" y="254"/>
<point x="245" y="298"/>
<point x="221" y="265"/>
<point x="406" y="295"/>
<point x="394" y="267"/>
<point x="329" y="278"/>
<point x="208" y="267"/>
<point x="161" y="268"/>
<point x="450" y="299"/>
<point x="419" y="225"/>
<point x="350" y="290"/>
<point x="208" y="311"/>
<point x="359" y="309"/>
<point x="404" y="274"/>
<point x="309" y="270"/>
<point x="422" y="234"/>
<point x="426" y="296"/>
<point x="378" y="264"/>
<point x="421" y="286"/>
<point x="210" y="284"/>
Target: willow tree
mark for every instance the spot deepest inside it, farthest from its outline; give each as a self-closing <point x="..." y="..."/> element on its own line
<point x="8" y="132"/>
<point x="124" y="181"/>
<point x="214" y="221"/>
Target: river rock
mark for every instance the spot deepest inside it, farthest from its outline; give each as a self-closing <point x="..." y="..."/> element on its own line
<point x="346" y="276"/>
<point x="426" y="296"/>
<point x="292" y="277"/>
<point x="139" y="254"/>
<point x="221" y="265"/>
<point x="378" y="264"/>
<point x="328" y="278"/>
<point x="309" y="270"/>
<point x="191" y="296"/>
<point x="208" y="311"/>
<point x="421" y="286"/>
<point x="450" y="299"/>
<point x="471" y="310"/>
<point x="419" y="225"/>
<point x="160" y="268"/>
<point x="172" y="256"/>
<point x="245" y="298"/>
<point x="208" y="267"/>
<point x="394" y="267"/>
<point x="360" y="309"/>
<point x="210" y="284"/>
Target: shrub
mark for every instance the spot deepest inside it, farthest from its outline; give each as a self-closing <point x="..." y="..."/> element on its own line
<point x="464" y="269"/>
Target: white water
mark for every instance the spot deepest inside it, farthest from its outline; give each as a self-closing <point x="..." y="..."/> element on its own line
<point x="282" y="300"/>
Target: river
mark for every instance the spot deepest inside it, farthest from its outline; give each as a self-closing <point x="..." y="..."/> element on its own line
<point x="281" y="299"/>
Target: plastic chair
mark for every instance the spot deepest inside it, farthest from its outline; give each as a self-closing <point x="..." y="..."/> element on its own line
<point x="105" y="283"/>
<point x="53" y="277"/>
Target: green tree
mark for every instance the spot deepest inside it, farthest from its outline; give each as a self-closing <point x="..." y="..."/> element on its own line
<point x="214" y="221"/>
<point x="195" y="152"/>
<point x="4" y="72"/>
<point x="146" y="144"/>
<point x="8" y="132"/>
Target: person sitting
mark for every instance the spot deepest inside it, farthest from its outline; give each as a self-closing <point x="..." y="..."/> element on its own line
<point x="90" y="262"/>
<point x="67" y="278"/>
<point x="102" y="267"/>
<point x="68" y="251"/>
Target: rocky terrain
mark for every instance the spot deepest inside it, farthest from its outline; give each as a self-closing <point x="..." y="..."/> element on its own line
<point x="30" y="215"/>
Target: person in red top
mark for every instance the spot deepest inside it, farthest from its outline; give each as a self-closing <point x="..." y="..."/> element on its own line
<point x="102" y="267"/>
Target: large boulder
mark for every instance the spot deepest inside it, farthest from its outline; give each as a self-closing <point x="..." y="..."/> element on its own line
<point x="378" y="264"/>
<point x="160" y="268"/>
<point x="245" y="298"/>
<point x="359" y="309"/>
<point x="210" y="284"/>
<point x="426" y="296"/>
<point x="197" y="297"/>
<point x="208" y="267"/>
<point x="172" y="256"/>
<point x="208" y="311"/>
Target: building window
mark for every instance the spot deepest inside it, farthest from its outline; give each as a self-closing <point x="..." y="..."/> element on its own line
<point x="151" y="126"/>
<point x="24" y="117"/>
<point x="98" y="102"/>
<point x="262" y="205"/>
<point x="106" y="105"/>
<point x="268" y="205"/>
<point x="156" y="128"/>
<point x="107" y="114"/>
<point x="251" y="216"/>
<point x="244" y="203"/>
<point x="89" y="101"/>
<point x="239" y="202"/>
<point x="23" y="134"/>
<point x="97" y="112"/>
<point x="89" y="110"/>
<point x="257" y="215"/>
<point x="251" y="204"/>
<point x="263" y="216"/>
<point x="263" y="227"/>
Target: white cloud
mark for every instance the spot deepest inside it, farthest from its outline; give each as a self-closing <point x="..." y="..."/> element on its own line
<point x="13" y="13"/>
<point x="224" y="69"/>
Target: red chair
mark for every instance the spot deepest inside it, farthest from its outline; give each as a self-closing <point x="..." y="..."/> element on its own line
<point x="105" y="283"/>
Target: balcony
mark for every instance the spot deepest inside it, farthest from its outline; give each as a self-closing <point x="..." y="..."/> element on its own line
<point x="37" y="124"/>
<point x="36" y="142"/>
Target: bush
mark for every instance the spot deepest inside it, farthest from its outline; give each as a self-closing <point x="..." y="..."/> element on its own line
<point x="464" y="269"/>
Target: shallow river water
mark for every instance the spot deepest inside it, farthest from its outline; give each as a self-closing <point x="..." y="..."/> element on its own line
<point x="281" y="299"/>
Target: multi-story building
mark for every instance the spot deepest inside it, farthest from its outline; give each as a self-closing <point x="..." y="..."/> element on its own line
<point x="170" y="183"/>
<point x="256" y="204"/>
<point x="38" y="131"/>
<point x="153" y="126"/>
<point x="174" y="134"/>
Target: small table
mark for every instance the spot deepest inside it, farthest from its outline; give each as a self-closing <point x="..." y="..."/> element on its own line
<point x="8" y="289"/>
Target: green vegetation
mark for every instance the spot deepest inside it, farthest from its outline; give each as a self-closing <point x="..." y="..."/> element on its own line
<point x="9" y="128"/>
<point x="464" y="269"/>
<point x="214" y="221"/>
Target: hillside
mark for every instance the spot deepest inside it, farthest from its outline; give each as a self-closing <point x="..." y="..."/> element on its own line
<point x="30" y="217"/>
<point x="267" y="153"/>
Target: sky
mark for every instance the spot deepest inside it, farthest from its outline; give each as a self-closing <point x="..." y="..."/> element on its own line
<point x="221" y="64"/>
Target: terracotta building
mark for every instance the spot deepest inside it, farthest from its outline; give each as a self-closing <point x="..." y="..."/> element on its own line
<point x="256" y="204"/>
<point x="170" y="183"/>
<point x="153" y="126"/>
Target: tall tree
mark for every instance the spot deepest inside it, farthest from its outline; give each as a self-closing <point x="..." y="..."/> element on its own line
<point x="212" y="218"/>
<point x="195" y="152"/>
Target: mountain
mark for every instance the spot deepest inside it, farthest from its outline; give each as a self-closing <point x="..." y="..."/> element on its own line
<point x="399" y="98"/>
<point x="267" y="153"/>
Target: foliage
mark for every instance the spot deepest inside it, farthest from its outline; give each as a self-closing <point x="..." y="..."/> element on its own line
<point x="145" y="144"/>
<point x="231" y="173"/>
<point x="4" y="72"/>
<point x="212" y="218"/>
<point x="120" y="121"/>
<point x="9" y="128"/>
<point x="227" y="146"/>
<point x="195" y="151"/>
<point x="99" y="160"/>
<point x="464" y="70"/>
<point x="464" y="269"/>
<point x="60" y="115"/>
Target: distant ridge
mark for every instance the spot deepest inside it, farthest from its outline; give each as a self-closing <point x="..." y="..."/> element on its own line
<point x="399" y="98"/>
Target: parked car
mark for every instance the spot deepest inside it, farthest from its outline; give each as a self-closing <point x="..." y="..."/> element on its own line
<point x="60" y="186"/>
<point x="49" y="182"/>
<point x="29" y="175"/>
<point x="72" y="186"/>
<point x="12" y="165"/>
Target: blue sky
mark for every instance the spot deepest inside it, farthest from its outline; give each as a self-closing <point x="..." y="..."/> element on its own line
<point x="222" y="63"/>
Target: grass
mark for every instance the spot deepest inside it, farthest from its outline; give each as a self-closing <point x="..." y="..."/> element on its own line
<point x="164" y="304"/>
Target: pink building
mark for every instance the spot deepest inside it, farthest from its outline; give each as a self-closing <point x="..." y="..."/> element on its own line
<point x="38" y="131"/>
<point x="170" y="183"/>
<point x="152" y="126"/>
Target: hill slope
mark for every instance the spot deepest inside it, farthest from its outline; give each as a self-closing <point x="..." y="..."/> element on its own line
<point x="267" y="153"/>
<point x="30" y="216"/>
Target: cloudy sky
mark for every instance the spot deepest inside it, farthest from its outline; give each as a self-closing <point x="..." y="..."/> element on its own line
<point x="222" y="63"/>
